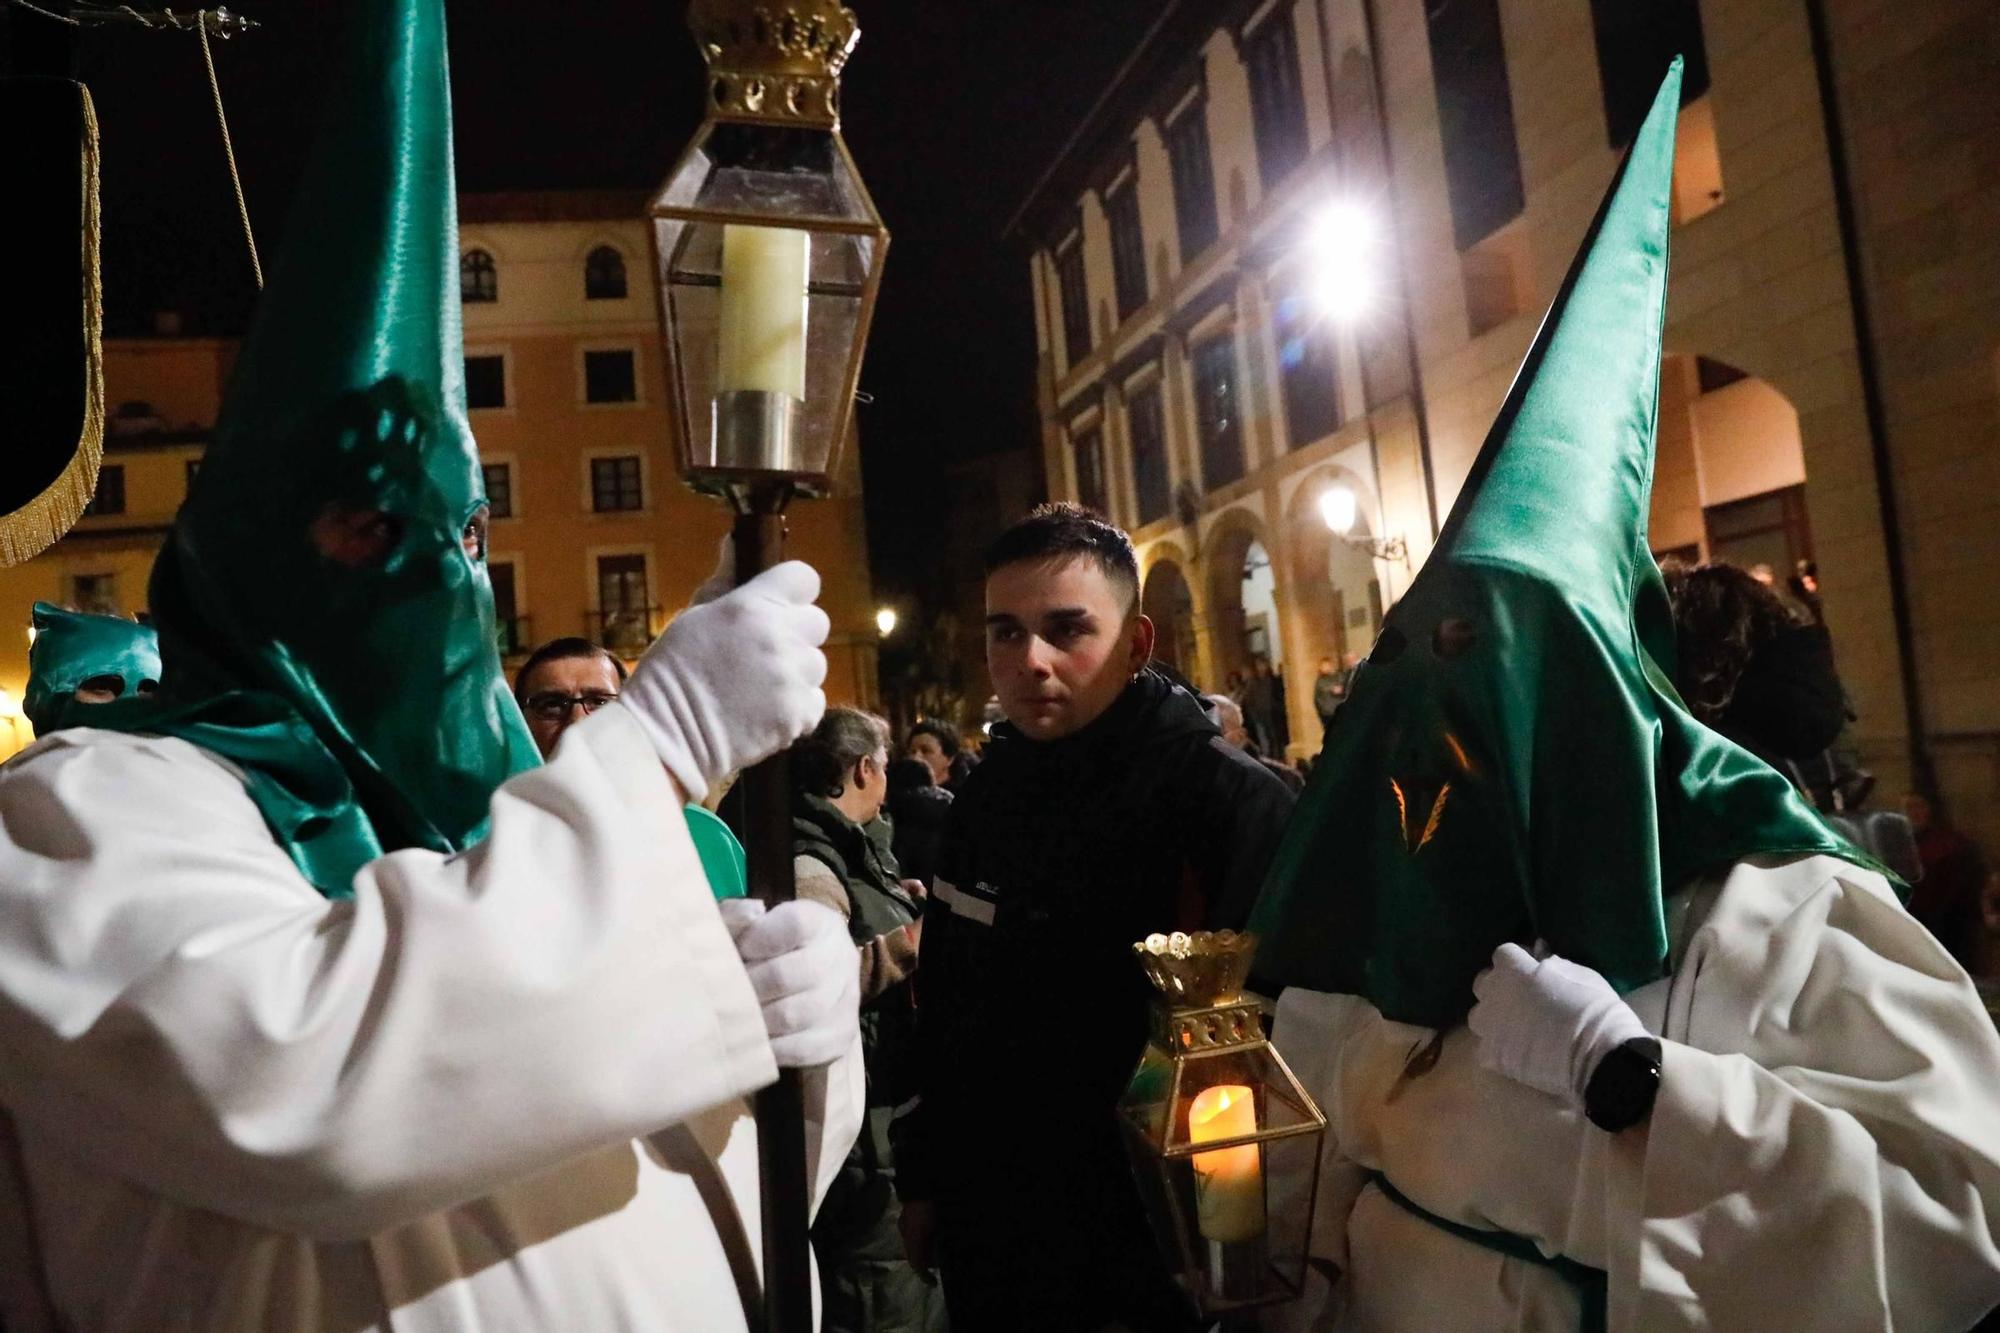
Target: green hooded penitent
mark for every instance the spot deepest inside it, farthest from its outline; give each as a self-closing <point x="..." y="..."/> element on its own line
<point x="1513" y="762"/>
<point x="323" y="602"/>
<point x="118" y="656"/>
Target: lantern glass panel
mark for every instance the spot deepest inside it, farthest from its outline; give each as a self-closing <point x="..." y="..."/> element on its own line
<point x="768" y="250"/>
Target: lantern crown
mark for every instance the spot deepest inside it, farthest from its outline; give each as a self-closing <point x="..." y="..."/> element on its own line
<point x="774" y="63"/>
<point x="1202" y="969"/>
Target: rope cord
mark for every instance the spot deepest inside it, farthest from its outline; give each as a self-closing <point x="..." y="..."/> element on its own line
<point x="229" y="151"/>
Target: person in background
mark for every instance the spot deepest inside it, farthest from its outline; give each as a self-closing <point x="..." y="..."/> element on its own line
<point x="1949" y="897"/>
<point x="936" y="742"/>
<point x="839" y="775"/>
<point x="78" y="659"/>
<point x="1329" y="692"/>
<point x="1258" y="700"/>
<point x="563" y="682"/>
<point x="1107" y="807"/>
<point x="916" y="810"/>
<point x="1228" y="716"/>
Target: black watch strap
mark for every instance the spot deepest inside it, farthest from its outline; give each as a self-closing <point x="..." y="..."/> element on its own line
<point x="1624" y="1085"/>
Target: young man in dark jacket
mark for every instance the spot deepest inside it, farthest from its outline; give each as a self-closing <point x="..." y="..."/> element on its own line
<point x="1108" y="807"/>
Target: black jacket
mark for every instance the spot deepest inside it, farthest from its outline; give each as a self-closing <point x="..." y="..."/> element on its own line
<point x="1031" y="1009"/>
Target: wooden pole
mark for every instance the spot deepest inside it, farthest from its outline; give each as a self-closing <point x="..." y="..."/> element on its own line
<point x="759" y="537"/>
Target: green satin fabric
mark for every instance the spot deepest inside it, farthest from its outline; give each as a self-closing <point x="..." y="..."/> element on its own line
<point x="348" y="400"/>
<point x="1513" y="762"/>
<point x="71" y="647"/>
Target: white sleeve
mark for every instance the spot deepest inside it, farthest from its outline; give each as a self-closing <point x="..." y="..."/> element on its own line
<point x="181" y="1009"/>
<point x="1825" y="1148"/>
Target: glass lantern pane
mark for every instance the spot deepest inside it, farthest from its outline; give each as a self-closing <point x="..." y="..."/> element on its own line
<point x="780" y="172"/>
<point x="766" y="310"/>
<point x="1235" y="1093"/>
<point x="1232" y="1225"/>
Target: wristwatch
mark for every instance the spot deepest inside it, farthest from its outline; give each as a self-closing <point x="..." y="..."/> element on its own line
<point x="1622" y="1088"/>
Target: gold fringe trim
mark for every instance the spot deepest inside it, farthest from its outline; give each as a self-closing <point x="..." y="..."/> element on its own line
<point x="40" y="523"/>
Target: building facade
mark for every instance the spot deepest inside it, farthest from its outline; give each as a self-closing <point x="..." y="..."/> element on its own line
<point x="593" y="532"/>
<point x="1209" y="374"/>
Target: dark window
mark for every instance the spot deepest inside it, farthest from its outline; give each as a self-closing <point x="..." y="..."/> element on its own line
<point x="1714" y="375"/>
<point x="486" y="381"/>
<point x="1147" y="424"/>
<point x="1128" y="246"/>
<point x="1075" y="302"/>
<point x="512" y="629"/>
<point x="614" y="484"/>
<point x="110" y="496"/>
<point x="1217" y="413"/>
<point x="604" y="275"/>
<point x="1310" y="373"/>
<point x="478" y="279"/>
<point x="623" y="608"/>
<point x="95" y="593"/>
<point x="499" y="479"/>
<point x="609" y="377"/>
<point x="1089" y="448"/>
<point x="1194" y="182"/>
<point x="1277" y="100"/>
<point x="1482" y="167"/>
<point x="1635" y="44"/>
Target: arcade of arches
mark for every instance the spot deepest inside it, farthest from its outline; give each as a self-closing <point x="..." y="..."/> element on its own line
<point x="1729" y="484"/>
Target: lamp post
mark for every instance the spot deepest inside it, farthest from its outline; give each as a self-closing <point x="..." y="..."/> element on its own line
<point x="768" y="252"/>
<point x="1338" y="509"/>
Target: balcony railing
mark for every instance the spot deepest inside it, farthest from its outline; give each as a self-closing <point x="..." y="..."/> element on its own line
<point x="516" y="635"/>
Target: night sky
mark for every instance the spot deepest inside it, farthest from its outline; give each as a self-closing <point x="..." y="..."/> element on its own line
<point x="953" y="108"/>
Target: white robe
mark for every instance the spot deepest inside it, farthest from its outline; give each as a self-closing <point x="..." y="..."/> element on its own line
<point x="1824" y="1152"/>
<point x="504" y="1090"/>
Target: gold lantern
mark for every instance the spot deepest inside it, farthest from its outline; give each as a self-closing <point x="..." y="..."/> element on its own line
<point x="1226" y="1141"/>
<point x="768" y="252"/>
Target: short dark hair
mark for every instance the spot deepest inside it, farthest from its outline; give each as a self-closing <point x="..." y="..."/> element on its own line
<point x="1053" y="531"/>
<point x="558" y="650"/>
<point x="844" y="737"/>
<point x="941" y="731"/>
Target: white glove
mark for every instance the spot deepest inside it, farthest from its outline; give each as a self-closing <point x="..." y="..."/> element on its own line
<point x="1547" y="1023"/>
<point x="735" y="680"/>
<point x="806" y="974"/>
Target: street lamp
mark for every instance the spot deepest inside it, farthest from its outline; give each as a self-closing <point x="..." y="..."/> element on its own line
<point x="1343" y="255"/>
<point x="885" y="621"/>
<point x="1339" y="510"/>
<point x="768" y="253"/>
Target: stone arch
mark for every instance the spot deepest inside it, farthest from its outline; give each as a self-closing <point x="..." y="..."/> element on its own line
<point x="1336" y="590"/>
<point x="1168" y="601"/>
<point x="1729" y="474"/>
<point x="1226" y="546"/>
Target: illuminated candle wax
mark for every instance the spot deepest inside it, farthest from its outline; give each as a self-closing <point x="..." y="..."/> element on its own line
<point x="763" y="318"/>
<point x="1228" y="1182"/>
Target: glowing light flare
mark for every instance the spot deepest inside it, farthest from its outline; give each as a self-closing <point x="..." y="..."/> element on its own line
<point x="1338" y="509"/>
<point x="1342" y="252"/>
<point x="885" y="621"/>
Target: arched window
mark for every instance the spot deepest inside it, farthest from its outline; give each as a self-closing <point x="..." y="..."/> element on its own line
<point x="604" y="275"/>
<point x="478" y="279"/>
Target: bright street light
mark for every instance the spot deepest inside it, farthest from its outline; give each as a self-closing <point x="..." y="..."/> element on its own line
<point x="885" y="621"/>
<point x="1342" y="244"/>
<point x="1337" y="508"/>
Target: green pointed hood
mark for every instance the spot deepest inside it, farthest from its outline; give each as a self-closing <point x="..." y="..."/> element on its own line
<point x="72" y="647"/>
<point x="318" y="563"/>
<point x="1513" y="762"/>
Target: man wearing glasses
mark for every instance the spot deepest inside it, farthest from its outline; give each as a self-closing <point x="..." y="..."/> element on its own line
<point x="563" y="682"/>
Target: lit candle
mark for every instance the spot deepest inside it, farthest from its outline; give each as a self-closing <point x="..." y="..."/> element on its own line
<point x="1228" y="1182"/>
<point x="763" y="317"/>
